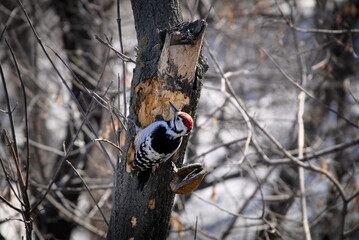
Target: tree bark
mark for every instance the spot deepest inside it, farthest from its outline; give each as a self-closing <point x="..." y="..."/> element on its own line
<point x="169" y="68"/>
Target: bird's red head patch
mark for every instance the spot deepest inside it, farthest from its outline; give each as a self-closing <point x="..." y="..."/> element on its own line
<point x="186" y="119"/>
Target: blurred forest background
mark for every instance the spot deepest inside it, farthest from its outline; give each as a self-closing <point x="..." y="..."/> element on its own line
<point x="277" y="124"/>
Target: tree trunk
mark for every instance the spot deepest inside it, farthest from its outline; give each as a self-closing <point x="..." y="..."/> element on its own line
<point x="339" y="67"/>
<point x="169" y="68"/>
<point x="76" y="41"/>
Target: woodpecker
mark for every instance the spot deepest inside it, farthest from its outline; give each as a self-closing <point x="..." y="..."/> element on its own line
<point x="158" y="142"/>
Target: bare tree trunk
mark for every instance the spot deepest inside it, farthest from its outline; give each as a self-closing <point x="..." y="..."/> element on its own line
<point x="165" y="71"/>
<point x="81" y="50"/>
<point x="338" y="68"/>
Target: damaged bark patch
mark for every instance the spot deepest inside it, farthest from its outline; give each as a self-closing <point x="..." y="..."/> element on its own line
<point x="153" y="100"/>
<point x="152" y="204"/>
<point x="130" y="158"/>
<point x="133" y="221"/>
<point x="181" y="50"/>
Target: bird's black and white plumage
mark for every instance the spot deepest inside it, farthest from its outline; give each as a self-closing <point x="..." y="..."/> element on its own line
<point x="158" y="142"/>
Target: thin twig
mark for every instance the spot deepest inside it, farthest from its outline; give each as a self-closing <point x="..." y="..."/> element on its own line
<point x="189" y="226"/>
<point x="224" y="209"/>
<point x="117" y="131"/>
<point x="84" y="115"/>
<point x="194" y="10"/>
<point x="301" y="98"/>
<point x="10" y="205"/>
<point x="230" y="226"/>
<point x="324" y="31"/>
<point x="216" y="147"/>
<point x="103" y="199"/>
<point x="244" y="113"/>
<point x="301" y="136"/>
<point x="209" y="10"/>
<point x="9" y="112"/>
<point x="3" y="32"/>
<point x="118" y="74"/>
<point x="74" y="218"/>
<point x="9" y="183"/>
<point x="74" y="189"/>
<point x="342" y="220"/>
<point x="299" y="163"/>
<point x="349" y="199"/>
<point x="109" y="142"/>
<point x="195" y="229"/>
<point x="57" y="171"/>
<point x="292" y="80"/>
<point x="26" y="116"/>
<point x="123" y="63"/>
<point x="308" y="156"/>
<point x="120" y="55"/>
<point x="26" y="212"/>
<point x="351" y="232"/>
<point x="237" y="103"/>
<point x="16" y="161"/>
<point x="88" y="190"/>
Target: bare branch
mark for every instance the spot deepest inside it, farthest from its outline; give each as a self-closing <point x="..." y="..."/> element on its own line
<point x="88" y="190"/>
<point x="3" y="32"/>
<point x="324" y="31"/>
<point x="301" y="101"/>
<point x="227" y="232"/>
<point x="123" y="67"/>
<point x="224" y="209"/>
<point x="120" y="55"/>
<point x="320" y="153"/>
<point x="26" y="117"/>
<point x="299" y="163"/>
<point x="9" y="183"/>
<point x="9" y="112"/>
<point x="216" y="147"/>
<point x="10" y="205"/>
<point x="292" y="80"/>
<point x="109" y="142"/>
<point x="74" y="218"/>
<point x="26" y="213"/>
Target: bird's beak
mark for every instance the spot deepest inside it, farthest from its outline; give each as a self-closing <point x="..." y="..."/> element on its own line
<point x="175" y="111"/>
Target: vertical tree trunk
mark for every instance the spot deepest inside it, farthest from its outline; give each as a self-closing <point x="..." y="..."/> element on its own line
<point x="339" y="67"/>
<point x="166" y="70"/>
<point x="83" y="51"/>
